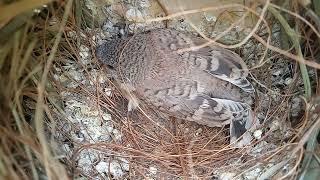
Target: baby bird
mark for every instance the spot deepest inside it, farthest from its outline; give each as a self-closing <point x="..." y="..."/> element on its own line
<point x="202" y="85"/>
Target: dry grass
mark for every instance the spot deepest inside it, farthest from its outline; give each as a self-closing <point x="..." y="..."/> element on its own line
<point x="32" y="109"/>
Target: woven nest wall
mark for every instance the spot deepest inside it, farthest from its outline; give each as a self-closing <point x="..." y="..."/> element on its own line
<point x="64" y="118"/>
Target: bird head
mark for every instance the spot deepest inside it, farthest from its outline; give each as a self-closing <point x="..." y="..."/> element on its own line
<point x="109" y="52"/>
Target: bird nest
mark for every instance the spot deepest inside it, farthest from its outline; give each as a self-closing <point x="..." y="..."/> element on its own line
<point x="72" y="111"/>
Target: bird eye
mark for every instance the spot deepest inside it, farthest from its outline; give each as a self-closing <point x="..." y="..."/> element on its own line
<point x="110" y="67"/>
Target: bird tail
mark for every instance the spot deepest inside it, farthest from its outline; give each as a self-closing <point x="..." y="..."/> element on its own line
<point x="240" y="128"/>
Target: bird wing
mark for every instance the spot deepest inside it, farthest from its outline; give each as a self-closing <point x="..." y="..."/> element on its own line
<point x="184" y="100"/>
<point x="222" y="64"/>
<point x="218" y="62"/>
<point x="213" y="112"/>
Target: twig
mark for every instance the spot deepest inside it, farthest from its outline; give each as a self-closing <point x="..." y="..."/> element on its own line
<point x="39" y="113"/>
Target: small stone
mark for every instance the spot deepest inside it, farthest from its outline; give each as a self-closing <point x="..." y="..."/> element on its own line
<point x="108" y="27"/>
<point x="66" y="148"/>
<point x="56" y="77"/>
<point x="101" y="79"/>
<point x="136" y="27"/>
<point x="275" y="125"/>
<point x="144" y="3"/>
<point x="296" y="101"/>
<point x="76" y="75"/>
<point x="37" y="11"/>
<point x="252" y="174"/>
<point x="118" y="168"/>
<point x="238" y="28"/>
<point x="106" y="117"/>
<point x="86" y="159"/>
<point x="227" y="176"/>
<point x="117" y="134"/>
<point x="210" y="17"/>
<point x="257" y="134"/>
<point x="108" y="91"/>
<point x="109" y="129"/>
<point x="84" y="53"/>
<point x="256" y="150"/>
<point x="261" y="116"/>
<point x="153" y="170"/>
<point x="72" y="34"/>
<point x="277" y="72"/>
<point x="198" y="131"/>
<point x="214" y="34"/>
<point x="102" y="167"/>
<point x="288" y="81"/>
<point x="134" y="15"/>
<point x="63" y="78"/>
<point x="57" y="68"/>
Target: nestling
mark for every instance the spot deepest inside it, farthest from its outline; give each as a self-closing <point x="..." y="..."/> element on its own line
<point x="203" y="86"/>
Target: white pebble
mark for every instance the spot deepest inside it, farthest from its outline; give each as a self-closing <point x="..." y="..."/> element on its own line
<point x="84" y="51"/>
<point x="278" y="72"/>
<point x="56" y="77"/>
<point x="210" y="17"/>
<point x="102" y="167"/>
<point x="66" y="149"/>
<point x="106" y="117"/>
<point x="101" y="79"/>
<point x="153" y="170"/>
<point x="134" y="15"/>
<point x="118" y="169"/>
<point x="108" y="91"/>
<point x="109" y="129"/>
<point x="214" y="34"/>
<point x="257" y="134"/>
<point x="144" y="3"/>
<point x="238" y="28"/>
<point x="198" y="131"/>
<point x="76" y="75"/>
<point x="288" y="81"/>
<point x="227" y="175"/>
<point x="253" y="174"/>
<point x="117" y="134"/>
<point x="63" y="78"/>
<point x="275" y="125"/>
<point x="37" y="11"/>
